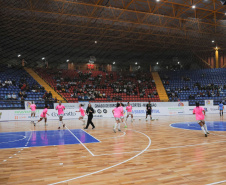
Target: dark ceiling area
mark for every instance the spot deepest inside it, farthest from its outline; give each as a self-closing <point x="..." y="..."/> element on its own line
<point x="123" y="30"/>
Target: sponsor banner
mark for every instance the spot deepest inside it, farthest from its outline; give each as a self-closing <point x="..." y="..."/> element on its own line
<point x="208" y="102"/>
<point x="27" y="104"/>
<point x="6" y="115"/>
<point x="68" y="105"/>
<point x="141" y="104"/>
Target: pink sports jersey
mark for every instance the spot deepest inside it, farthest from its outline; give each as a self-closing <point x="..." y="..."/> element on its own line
<point x="129" y="108"/>
<point x="121" y="108"/>
<point x="44" y="112"/>
<point x="198" y="112"/>
<point x="60" y="109"/>
<point x="33" y="107"/>
<point x="117" y="112"/>
<point x="81" y="110"/>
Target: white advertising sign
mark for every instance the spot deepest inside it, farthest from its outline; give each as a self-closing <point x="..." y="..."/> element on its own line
<point x="208" y="102"/>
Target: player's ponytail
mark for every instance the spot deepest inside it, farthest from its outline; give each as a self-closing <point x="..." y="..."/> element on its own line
<point x="118" y="104"/>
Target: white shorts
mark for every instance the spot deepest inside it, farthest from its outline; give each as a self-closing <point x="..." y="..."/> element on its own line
<point x="61" y="115"/>
<point x="129" y="113"/>
<point x="33" y="112"/>
<point x="117" y="119"/>
<point x="200" y="121"/>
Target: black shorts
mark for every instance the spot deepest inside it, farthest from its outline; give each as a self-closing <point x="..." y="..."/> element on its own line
<point x="148" y="112"/>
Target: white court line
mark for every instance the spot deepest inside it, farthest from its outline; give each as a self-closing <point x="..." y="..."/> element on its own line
<point x="91" y="135"/>
<point x="109" y="166"/>
<point x="158" y="149"/>
<point x="24" y="137"/>
<point x="80" y="142"/>
<point x="216" y="182"/>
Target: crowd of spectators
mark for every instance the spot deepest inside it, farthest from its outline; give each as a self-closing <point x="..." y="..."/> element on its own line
<point x="209" y="90"/>
<point x="86" y="86"/>
<point x="24" y="87"/>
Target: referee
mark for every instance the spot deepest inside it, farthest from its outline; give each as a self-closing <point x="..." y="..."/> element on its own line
<point x="90" y="112"/>
<point x="148" y="110"/>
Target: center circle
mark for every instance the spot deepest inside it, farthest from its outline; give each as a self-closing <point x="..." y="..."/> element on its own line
<point x="211" y="125"/>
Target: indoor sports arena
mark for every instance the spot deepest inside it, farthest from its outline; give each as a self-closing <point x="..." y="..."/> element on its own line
<point x="112" y="92"/>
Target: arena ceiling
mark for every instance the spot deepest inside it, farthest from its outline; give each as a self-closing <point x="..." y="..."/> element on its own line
<point x="123" y="29"/>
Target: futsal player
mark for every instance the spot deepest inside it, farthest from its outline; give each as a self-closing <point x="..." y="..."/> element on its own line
<point x="129" y="111"/>
<point x="221" y="108"/>
<point x="60" y="109"/>
<point x="33" y="111"/>
<point x="43" y="115"/>
<point x="90" y="112"/>
<point x="82" y="112"/>
<point x="117" y="114"/>
<point x="200" y="116"/>
<point x="148" y="110"/>
<point x="122" y="114"/>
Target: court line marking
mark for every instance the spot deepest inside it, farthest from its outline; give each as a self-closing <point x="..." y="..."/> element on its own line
<point x="24" y="137"/>
<point x="80" y="141"/>
<point x="149" y="143"/>
<point x="21" y="147"/>
<point x="216" y="182"/>
<point x="90" y="135"/>
<point x="158" y="149"/>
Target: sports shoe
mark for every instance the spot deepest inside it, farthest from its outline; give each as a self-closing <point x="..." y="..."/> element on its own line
<point x="93" y="127"/>
<point x="34" y="124"/>
<point x="63" y="125"/>
<point x="205" y="135"/>
<point x="114" y="130"/>
<point x="207" y="132"/>
<point x="119" y="130"/>
<point x="85" y="128"/>
<point x="58" y="127"/>
<point x="125" y="126"/>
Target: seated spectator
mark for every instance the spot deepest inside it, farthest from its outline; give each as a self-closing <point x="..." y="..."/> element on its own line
<point x="23" y="87"/>
<point x="20" y="94"/>
<point x="14" y="96"/>
<point x="9" y="96"/>
<point x="24" y="94"/>
<point x="55" y="100"/>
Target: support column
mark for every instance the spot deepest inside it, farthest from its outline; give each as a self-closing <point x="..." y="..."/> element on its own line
<point x="217" y="57"/>
<point x="130" y="68"/>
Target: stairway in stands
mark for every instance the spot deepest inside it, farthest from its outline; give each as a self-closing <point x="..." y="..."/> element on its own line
<point x="44" y="84"/>
<point x="159" y="87"/>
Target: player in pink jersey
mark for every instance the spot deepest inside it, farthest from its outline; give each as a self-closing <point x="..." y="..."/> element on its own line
<point x="129" y="111"/>
<point x="82" y="111"/>
<point x="117" y="114"/>
<point x="122" y="114"/>
<point x="33" y="111"/>
<point x="43" y="115"/>
<point x="200" y="116"/>
<point x="60" y="109"/>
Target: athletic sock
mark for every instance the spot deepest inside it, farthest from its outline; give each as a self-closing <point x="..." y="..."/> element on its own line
<point x="203" y="130"/>
<point x="205" y="127"/>
<point x="119" y="126"/>
<point x="115" y="126"/>
<point x="125" y="123"/>
<point x="59" y="123"/>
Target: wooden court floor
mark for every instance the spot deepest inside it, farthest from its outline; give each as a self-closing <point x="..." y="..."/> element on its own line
<point x="147" y="152"/>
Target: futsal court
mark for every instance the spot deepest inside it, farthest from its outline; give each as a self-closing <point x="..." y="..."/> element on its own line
<point x="170" y="150"/>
